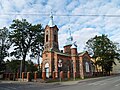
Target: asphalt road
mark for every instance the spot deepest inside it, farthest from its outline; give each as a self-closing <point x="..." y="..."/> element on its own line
<point x="106" y="83"/>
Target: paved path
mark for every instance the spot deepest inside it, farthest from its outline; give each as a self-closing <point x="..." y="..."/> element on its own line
<point x="103" y="83"/>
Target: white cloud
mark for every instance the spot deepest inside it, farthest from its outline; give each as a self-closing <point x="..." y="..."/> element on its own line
<point x="62" y="40"/>
<point x="71" y="6"/>
<point x="82" y="27"/>
<point x="82" y="36"/>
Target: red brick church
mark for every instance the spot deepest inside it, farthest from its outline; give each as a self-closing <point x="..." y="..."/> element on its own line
<point x="68" y="60"/>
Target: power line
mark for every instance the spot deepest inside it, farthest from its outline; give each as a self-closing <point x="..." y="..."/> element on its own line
<point x="90" y="15"/>
<point x="25" y="14"/>
<point x="64" y="15"/>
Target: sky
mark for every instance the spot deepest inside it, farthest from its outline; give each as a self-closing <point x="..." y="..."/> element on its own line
<point x="67" y="14"/>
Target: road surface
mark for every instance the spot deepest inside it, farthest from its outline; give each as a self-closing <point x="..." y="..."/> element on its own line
<point x="106" y="83"/>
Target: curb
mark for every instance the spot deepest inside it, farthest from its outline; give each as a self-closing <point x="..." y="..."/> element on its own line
<point x="57" y="83"/>
<point x="84" y="80"/>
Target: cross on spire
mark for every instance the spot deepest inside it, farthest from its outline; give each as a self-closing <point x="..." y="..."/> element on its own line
<point x="51" y="22"/>
<point x="69" y="31"/>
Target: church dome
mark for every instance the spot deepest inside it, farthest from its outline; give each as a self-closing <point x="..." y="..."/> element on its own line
<point x="51" y="22"/>
<point x="69" y="40"/>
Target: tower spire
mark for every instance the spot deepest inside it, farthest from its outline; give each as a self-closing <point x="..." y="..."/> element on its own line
<point x="69" y="31"/>
<point x="51" y="36"/>
<point x="51" y="22"/>
<point x="69" y="39"/>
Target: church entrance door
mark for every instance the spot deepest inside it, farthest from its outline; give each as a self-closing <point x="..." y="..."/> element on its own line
<point x="47" y="70"/>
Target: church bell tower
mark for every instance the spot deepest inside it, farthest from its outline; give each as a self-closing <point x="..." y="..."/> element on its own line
<point x="51" y="36"/>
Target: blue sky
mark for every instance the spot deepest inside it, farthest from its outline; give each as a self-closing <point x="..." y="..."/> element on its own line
<point x="82" y="27"/>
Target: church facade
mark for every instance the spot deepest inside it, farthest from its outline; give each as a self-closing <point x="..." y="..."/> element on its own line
<point x="68" y="61"/>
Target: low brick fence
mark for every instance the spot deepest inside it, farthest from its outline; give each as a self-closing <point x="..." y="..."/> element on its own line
<point x="61" y="75"/>
<point x="35" y="76"/>
<point x="24" y="76"/>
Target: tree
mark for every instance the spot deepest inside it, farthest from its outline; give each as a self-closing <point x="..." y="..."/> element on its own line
<point x="104" y="52"/>
<point x="31" y="66"/>
<point x="4" y="46"/>
<point x="13" y="66"/>
<point x="37" y="53"/>
<point x="25" y="36"/>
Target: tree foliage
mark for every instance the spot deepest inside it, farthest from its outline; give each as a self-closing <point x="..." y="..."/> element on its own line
<point x="104" y="52"/>
<point x="4" y="46"/>
<point x="30" y="66"/>
<point x="14" y="66"/>
<point x="25" y="36"/>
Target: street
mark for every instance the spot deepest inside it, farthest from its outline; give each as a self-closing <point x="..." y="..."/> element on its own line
<point x="104" y="83"/>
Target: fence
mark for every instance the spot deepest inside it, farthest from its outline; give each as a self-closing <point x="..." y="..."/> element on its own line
<point x="25" y="76"/>
<point x="34" y="76"/>
<point x="61" y="75"/>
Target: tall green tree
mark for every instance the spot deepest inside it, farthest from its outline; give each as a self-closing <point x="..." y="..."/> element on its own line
<point x="25" y="37"/>
<point x="13" y="66"/>
<point x="104" y="52"/>
<point x="4" y="46"/>
<point x="31" y="66"/>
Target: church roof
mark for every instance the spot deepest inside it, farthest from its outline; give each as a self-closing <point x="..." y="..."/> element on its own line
<point x="64" y="54"/>
<point x="81" y="53"/>
<point x="74" y="45"/>
<point x="51" y="22"/>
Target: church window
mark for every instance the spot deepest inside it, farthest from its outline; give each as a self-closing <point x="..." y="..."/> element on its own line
<point x="46" y="55"/>
<point x="55" y="38"/>
<point x="87" y="67"/>
<point x="46" y="38"/>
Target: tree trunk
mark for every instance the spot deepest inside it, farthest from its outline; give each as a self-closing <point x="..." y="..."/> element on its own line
<point x="13" y="76"/>
<point x="38" y="62"/>
<point x="109" y="73"/>
<point x="102" y="70"/>
<point x="96" y="66"/>
<point x="23" y="63"/>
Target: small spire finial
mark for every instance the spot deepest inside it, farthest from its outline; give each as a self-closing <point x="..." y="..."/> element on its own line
<point x="69" y="38"/>
<point x="69" y="30"/>
<point x="51" y="14"/>
<point x="51" y="23"/>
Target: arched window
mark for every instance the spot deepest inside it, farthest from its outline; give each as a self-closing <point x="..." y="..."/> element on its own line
<point x="55" y="38"/>
<point x="47" y="65"/>
<point x="87" y="67"/>
<point x="46" y="38"/>
<point x="47" y="70"/>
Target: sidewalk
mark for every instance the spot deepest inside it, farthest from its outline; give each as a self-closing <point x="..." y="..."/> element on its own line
<point x="83" y="80"/>
<point x="72" y="82"/>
